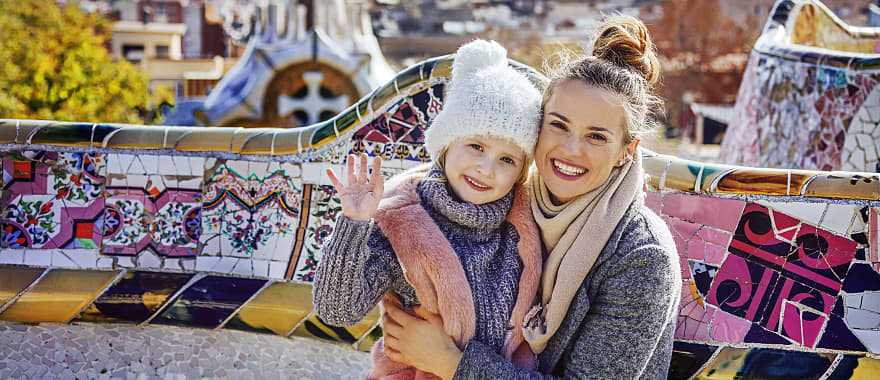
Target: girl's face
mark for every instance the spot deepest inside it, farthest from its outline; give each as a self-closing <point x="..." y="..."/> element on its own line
<point x="582" y="139"/>
<point x="483" y="169"/>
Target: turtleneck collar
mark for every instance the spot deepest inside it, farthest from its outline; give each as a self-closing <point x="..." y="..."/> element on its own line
<point x="435" y="193"/>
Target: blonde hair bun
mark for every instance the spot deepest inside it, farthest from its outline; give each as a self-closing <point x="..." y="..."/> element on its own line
<point x="625" y="41"/>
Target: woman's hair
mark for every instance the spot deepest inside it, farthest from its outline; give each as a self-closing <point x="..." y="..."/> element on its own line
<point x="523" y="173"/>
<point x="624" y="63"/>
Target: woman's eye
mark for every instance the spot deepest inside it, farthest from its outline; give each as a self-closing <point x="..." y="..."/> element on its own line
<point x="508" y="160"/>
<point x="558" y="125"/>
<point x="476" y="147"/>
<point x="598" y="137"/>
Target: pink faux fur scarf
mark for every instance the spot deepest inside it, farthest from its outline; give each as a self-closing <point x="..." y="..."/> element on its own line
<point x="433" y="269"/>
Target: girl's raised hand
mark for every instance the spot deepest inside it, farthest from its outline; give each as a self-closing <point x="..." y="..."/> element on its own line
<point x="362" y="192"/>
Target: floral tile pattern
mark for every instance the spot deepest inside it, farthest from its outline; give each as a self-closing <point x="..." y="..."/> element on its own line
<point x="149" y="208"/>
<point x="250" y="210"/>
<point x="324" y="209"/>
<point x="52" y="200"/>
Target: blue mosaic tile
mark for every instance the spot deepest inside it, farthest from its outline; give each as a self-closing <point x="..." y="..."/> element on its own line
<point x="209" y="301"/>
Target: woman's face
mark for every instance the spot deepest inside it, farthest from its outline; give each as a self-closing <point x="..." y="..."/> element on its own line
<point x="582" y="139"/>
<point x="483" y="169"/>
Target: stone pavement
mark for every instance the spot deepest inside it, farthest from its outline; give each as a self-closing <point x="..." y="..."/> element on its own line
<point x="116" y="351"/>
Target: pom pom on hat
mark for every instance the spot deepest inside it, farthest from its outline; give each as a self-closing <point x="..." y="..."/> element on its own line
<point x="486" y="97"/>
<point x="478" y="55"/>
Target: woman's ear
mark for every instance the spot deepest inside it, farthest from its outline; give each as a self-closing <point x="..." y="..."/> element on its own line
<point x="628" y="152"/>
<point x="631" y="148"/>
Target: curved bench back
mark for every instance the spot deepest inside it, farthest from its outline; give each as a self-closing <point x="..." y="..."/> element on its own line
<point x="809" y="97"/>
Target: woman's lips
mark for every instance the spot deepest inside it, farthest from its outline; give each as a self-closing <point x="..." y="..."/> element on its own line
<point x="566" y="170"/>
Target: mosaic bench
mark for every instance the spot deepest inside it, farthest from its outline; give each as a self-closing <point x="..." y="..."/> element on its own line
<point x="809" y="96"/>
<point x="221" y="228"/>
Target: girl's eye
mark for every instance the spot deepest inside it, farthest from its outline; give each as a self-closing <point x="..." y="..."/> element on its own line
<point x="598" y="137"/>
<point x="508" y="160"/>
<point x="476" y="147"/>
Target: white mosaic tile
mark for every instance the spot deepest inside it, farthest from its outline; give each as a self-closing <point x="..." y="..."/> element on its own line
<point x="838" y="218"/>
<point x="12" y="256"/>
<point x="807" y="212"/>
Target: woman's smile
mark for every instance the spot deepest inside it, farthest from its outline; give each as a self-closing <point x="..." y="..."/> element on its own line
<point x="567" y="170"/>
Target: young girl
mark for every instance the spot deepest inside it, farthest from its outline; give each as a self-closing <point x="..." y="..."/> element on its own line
<point x="457" y="238"/>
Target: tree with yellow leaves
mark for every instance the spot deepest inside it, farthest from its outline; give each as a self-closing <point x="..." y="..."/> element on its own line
<point x="54" y="66"/>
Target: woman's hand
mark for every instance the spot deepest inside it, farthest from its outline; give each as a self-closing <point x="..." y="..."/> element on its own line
<point x="420" y="343"/>
<point x="361" y="194"/>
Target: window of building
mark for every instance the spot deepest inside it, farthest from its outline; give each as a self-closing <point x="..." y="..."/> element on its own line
<point x="161" y="51"/>
<point x="133" y="53"/>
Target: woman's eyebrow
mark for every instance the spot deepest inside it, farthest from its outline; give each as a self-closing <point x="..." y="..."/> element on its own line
<point x="559" y="115"/>
<point x="595" y="128"/>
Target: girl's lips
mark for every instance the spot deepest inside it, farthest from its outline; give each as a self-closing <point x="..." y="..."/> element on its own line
<point x="476" y="185"/>
<point x="562" y="175"/>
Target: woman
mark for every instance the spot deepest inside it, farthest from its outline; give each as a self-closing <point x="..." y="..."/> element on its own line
<point x="611" y="283"/>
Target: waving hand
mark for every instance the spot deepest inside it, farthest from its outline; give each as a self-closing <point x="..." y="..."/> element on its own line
<point x="361" y="193"/>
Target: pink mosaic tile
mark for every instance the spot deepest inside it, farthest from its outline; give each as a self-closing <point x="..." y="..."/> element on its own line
<point x="714" y="212"/>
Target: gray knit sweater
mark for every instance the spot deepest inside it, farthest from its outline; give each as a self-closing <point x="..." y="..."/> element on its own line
<point x="359" y="266"/>
<point x="621" y="322"/>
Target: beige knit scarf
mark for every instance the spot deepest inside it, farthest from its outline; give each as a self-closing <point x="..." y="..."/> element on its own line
<point x="574" y="233"/>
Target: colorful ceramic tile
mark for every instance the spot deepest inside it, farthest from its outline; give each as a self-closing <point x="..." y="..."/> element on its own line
<point x="153" y="202"/>
<point x="860" y="147"/>
<point x="368" y="341"/>
<point x="313" y="327"/>
<point x="250" y="209"/>
<point x="59" y="296"/>
<point x="135" y="297"/>
<point x="838" y="336"/>
<point x="726" y="327"/>
<point x="681" y="176"/>
<point x="794" y="115"/>
<point x="861" y="278"/>
<point x="689" y="358"/>
<point x="716" y="212"/>
<point x="842" y="185"/>
<point x="838" y="218"/>
<point x="764" y="363"/>
<point x="754" y="181"/>
<point x="693" y="318"/>
<point x="855" y="367"/>
<point x="862" y="316"/>
<point x="277" y="309"/>
<point x="52" y="200"/>
<point x="15" y="279"/>
<point x="785" y="286"/>
<point x="209" y="301"/>
<point x="325" y="207"/>
<point x="806" y="212"/>
<point x="702" y="275"/>
<point x="399" y="132"/>
<point x="725" y="364"/>
<point x="874" y="238"/>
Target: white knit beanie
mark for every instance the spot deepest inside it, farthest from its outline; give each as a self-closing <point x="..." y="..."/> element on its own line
<point x="486" y="97"/>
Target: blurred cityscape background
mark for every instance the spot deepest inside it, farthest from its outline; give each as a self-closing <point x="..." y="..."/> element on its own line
<point x="277" y="63"/>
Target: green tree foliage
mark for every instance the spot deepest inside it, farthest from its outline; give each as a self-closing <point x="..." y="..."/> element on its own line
<point x="54" y="65"/>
